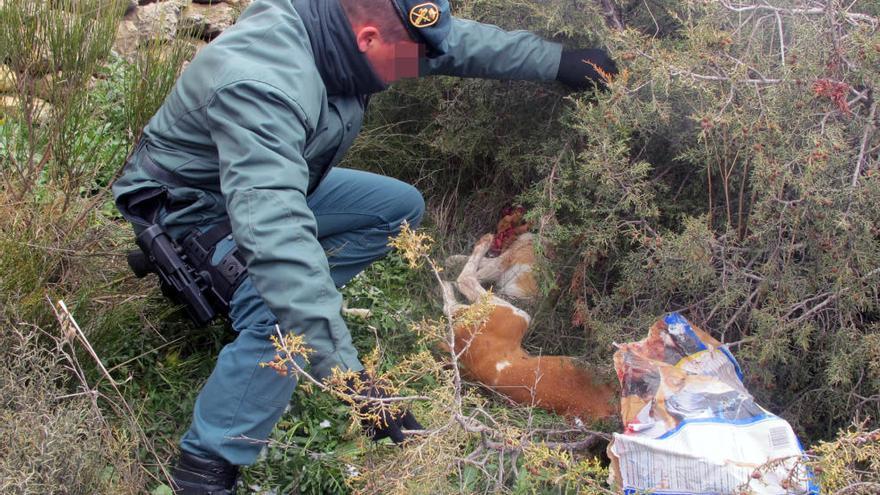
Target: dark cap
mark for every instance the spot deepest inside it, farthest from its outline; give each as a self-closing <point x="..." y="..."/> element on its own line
<point x="428" y="22"/>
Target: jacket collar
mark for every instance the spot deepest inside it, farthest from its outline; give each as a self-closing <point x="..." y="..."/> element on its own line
<point x="344" y="69"/>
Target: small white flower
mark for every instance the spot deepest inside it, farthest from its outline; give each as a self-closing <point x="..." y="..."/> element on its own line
<point x="352" y="471"/>
<point x="324" y="424"/>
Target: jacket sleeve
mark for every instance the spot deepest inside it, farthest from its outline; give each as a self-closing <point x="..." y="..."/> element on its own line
<point x="260" y="135"/>
<point x="481" y="50"/>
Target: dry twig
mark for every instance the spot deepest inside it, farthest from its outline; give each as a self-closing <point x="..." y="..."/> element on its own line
<point x="71" y="332"/>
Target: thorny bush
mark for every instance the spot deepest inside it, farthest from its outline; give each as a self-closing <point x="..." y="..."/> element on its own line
<point x="731" y="173"/>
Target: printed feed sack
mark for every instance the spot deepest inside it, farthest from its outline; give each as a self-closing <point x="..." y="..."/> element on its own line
<point x="691" y="427"/>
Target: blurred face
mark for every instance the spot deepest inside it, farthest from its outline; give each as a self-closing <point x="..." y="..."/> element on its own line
<point x="391" y="61"/>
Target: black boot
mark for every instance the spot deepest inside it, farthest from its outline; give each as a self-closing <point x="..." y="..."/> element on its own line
<point x="196" y="475"/>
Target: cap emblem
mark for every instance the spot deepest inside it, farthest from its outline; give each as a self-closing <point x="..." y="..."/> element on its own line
<point x="424" y="15"/>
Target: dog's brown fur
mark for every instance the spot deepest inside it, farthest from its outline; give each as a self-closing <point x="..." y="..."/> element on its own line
<point x="511" y="272"/>
<point x="493" y="355"/>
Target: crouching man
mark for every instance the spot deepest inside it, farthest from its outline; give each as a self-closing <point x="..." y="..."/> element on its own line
<point x="237" y="168"/>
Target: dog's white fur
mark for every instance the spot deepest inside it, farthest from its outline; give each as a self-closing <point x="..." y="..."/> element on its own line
<point x="493" y="355"/>
<point x="511" y="273"/>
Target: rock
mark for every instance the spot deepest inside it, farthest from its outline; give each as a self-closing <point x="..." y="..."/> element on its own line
<point x="48" y="87"/>
<point x="127" y="39"/>
<point x="208" y="21"/>
<point x="158" y="20"/>
<point x="207" y="2"/>
<point x="130" y="7"/>
<point x="8" y="105"/>
<point x="240" y="4"/>
<point x="197" y="45"/>
<point x="11" y="106"/>
<point x="7" y="79"/>
<point x="42" y="86"/>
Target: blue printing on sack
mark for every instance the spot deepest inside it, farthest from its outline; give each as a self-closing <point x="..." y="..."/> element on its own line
<point x="675" y="318"/>
<point x="733" y="360"/>
<point x="812" y="486"/>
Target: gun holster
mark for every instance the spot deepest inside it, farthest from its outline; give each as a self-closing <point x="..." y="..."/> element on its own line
<point x="186" y="272"/>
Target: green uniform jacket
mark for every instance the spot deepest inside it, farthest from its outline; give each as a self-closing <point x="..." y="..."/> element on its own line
<point x="249" y="124"/>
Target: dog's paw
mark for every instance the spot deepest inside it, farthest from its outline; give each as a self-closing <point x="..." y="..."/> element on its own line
<point x="485" y="242"/>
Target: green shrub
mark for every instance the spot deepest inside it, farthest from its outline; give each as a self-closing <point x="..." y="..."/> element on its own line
<point x="65" y="128"/>
<point x="53" y="441"/>
<point x="717" y="178"/>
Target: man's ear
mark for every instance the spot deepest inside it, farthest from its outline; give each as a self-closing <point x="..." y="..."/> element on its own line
<point x="367" y="37"/>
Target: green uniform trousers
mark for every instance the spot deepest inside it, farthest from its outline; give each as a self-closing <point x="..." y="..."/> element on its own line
<point x="238" y="406"/>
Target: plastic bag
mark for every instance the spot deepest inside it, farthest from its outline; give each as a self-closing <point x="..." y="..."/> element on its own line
<point x="690" y="425"/>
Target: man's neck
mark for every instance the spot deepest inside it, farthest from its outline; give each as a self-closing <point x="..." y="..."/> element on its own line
<point x="344" y="69"/>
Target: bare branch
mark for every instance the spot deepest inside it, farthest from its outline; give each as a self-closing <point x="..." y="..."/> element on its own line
<point x="703" y="77"/>
<point x="866" y="139"/>
<point x="612" y="14"/>
<point x="850" y="16"/>
<point x="781" y="38"/>
<point x="71" y="330"/>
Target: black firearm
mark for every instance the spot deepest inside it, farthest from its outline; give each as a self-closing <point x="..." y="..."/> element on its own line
<point x="181" y="282"/>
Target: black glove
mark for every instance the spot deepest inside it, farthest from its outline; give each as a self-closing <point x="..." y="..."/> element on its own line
<point x="577" y="68"/>
<point x="390" y="425"/>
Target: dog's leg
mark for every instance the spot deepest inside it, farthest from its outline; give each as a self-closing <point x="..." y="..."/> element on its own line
<point x="450" y="305"/>
<point x="556" y="383"/>
<point x="454" y="263"/>
<point x="468" y="283"/>
<point x="490" y="269"/>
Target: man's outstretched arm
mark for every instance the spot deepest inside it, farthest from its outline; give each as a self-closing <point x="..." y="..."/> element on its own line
<point x="474" y="49"/>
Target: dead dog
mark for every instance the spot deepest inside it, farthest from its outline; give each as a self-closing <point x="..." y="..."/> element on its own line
<point x="492" y="353"/>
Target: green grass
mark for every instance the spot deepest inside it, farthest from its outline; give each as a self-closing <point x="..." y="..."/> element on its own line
<point x="167" y="359"/>
<point x="315" y="446"/>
